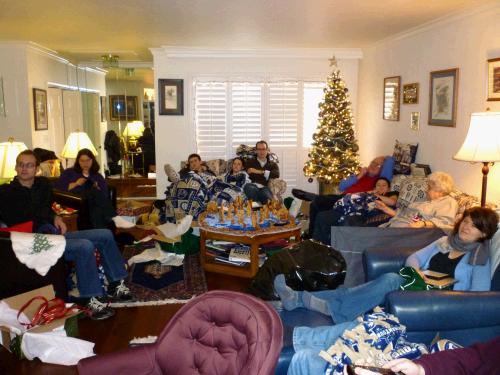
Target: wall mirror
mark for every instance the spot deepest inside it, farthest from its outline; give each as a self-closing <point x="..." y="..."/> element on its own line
<point x="392" y="88"/>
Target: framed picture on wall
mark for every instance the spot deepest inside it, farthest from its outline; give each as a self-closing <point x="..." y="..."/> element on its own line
<point x="102" y="102"/>
<point x="410" y="93"/>
<point x="171" y="97"/>
<point x="40" y="109"/>
<point x="392" y="87"/>
<point x="122" y="107"/>
<point x="2" y="100"/>
<point x="494" y="79"/>
<point x="443" y="93"/>
<point x="415" y="121"/>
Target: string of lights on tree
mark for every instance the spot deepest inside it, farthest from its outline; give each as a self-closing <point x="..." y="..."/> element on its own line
<point x="334" y="153"/>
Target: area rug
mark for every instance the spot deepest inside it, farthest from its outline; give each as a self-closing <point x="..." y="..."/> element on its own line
<point x="156" y="284"/>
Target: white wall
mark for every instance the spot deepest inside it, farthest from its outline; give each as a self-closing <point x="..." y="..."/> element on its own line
<point x="465" y="42"/>
<point x="175" y="135"/>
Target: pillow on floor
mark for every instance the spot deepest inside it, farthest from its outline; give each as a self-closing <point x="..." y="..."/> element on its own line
<point x="404" y="155"/>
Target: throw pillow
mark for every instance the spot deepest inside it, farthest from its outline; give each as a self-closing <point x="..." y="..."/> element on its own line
<point x="404" y="154"/>
<point x="421" y="170"/>
<point x="412" y="189"/>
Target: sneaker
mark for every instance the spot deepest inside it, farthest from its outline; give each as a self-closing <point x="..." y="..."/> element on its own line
<point x="99" y="310"/>
<point x="121" y="293"/>
<point x="303" y="195"/>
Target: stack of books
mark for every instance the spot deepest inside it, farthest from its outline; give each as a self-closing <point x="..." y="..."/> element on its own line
<point x="229" y="253"/>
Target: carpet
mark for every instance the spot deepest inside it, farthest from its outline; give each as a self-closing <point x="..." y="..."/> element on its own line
<point x="156" y="284"/>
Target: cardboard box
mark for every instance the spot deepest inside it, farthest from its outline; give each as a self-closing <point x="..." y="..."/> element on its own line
<point x="133" y="208"/>
<point x="16" y="302"/>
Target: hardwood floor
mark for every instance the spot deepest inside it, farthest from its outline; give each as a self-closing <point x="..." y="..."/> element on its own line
<point x="115" y="333"/>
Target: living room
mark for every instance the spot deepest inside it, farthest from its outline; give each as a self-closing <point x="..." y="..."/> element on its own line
<point x="405" y="40"/>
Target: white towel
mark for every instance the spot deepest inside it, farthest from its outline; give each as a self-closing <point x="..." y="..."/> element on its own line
<point x="156" y="253"/>
<point x="38" y="251"/>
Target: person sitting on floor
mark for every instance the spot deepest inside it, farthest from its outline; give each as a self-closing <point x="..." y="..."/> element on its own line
<point x="29" y="198"/>
<point x="84" y="179"/>
<point x="463" y="254"/>
<point x="381" y="166"/>
<point x="261" y="170"/>
<point x="356" y="209"/>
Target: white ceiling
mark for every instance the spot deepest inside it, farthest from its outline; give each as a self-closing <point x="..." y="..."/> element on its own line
<point x="83" y="30"/>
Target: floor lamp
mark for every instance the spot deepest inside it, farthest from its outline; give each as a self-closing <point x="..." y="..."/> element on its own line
<point x="482" y="144"/>
<point x="75" y="142"/>
<point x="8" y="155"/>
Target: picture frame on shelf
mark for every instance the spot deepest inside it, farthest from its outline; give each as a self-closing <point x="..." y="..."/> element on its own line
<point x="122" y="107"/>
<point x="443" y="94"/>
<point x="391" y="96"/>
<point x="171" y="97"/>
<point x="40" y="109"/>
<point x="415" y="121"/>
<point x="410" y="93"/>
<point x="494" y="79"/>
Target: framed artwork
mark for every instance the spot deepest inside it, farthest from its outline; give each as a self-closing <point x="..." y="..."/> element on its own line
<point x="2" y="99"/>
<point x="391" y="98"/>
<point x="102" y="102"/>
<point x="122" y="107"/>
<point x="493" y="79"/>
<point x="40" y="109"/>
<point x="443" y="93"/>
<point x="410" y="93"/>
<point x="415" y="121"/>
<point x="171" y="97"/>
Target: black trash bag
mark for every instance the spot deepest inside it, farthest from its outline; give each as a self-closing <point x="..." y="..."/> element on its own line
<point x="308" y="265"/>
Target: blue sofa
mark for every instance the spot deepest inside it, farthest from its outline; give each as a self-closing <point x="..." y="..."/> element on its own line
<point x="464" y="317"/>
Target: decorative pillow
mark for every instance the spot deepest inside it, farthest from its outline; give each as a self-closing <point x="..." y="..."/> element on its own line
<point x="466" y="201"/>
<point x="421" y="170"/>
<point x="404" y="154"/>
<point x="218" y="166"/>
<point x="413" y="189"/>
<point x="26" y="227"/>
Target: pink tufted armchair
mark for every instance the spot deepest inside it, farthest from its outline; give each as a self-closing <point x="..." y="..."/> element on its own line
<point x="219" y="332"/>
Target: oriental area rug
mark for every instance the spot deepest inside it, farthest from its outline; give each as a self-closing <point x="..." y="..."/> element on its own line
<point x="155" y="284"/>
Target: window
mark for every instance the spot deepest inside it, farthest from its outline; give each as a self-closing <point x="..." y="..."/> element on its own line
<point x="285" y="114"/>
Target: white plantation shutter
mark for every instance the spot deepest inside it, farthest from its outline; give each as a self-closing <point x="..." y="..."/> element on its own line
<point x="211" y="119"/>
<point x="283" y="113"/>
<point x="246" y="113"/>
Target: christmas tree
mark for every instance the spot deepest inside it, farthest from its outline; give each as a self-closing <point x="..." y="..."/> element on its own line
<point x="334" y="154"/>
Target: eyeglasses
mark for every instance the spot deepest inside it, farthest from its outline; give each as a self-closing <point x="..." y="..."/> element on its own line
<point x="25" y="165"/>
<point x="261" y="149"/>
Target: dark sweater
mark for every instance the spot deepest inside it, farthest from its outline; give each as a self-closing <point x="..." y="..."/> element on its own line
<point x="19" y="204"/>
<point x="259" y="178"/>
<point x="478" y="359"/>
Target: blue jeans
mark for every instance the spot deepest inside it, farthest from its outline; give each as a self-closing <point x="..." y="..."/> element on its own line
<point x="80" y="249"/>
<point x="258" y="194"/>
<point x="308" y="342"/>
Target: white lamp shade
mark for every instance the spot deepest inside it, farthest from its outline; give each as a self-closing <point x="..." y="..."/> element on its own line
<point x="75" y="142"/>
<point x="134" y="129"/>
<point x="482" y="143"/>
<point x="8" y="154"/>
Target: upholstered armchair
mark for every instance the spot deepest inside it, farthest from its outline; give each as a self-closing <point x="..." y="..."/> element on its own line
<point x="219" y="332"/>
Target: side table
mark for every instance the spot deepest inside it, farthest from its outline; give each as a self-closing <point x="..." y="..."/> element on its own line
<point x="71" y="221"/>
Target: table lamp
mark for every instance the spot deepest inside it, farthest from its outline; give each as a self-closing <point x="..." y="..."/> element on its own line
<point x="132" y="132"/>
<point x="482" y="144"/>
<point x="8" y="154"/>
<point x="75" y="142"/>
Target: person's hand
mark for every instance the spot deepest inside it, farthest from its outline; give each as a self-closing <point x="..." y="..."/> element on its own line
<point x="254" y="170"/>
<point x="417" y="224"/>
<point x="60" y="224"/>
<point x="362" y="172"/>
<point x="405" y="366"/>
<point x="81" y="181"/>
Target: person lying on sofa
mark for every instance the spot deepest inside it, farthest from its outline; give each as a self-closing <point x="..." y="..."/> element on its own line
<point x="356" y="209"/>
<point x="438" y="211"/>
<point x="463" y="254"/>
<point x="29" y="198"/>
<point x="381" y="166"/>
<point x="84" y="179"/>
<point x="260" y="169"/>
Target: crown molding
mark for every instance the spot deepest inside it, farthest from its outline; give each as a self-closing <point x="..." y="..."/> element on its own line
<point x="445" y="20"/>
<point x="284" y="53"/>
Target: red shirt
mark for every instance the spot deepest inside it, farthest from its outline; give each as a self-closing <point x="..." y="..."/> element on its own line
<point x="365" y="183"/>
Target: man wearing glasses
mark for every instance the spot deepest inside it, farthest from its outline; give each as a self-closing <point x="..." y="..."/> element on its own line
<point x="260" y="170"/>
<point x="29" y="198"/>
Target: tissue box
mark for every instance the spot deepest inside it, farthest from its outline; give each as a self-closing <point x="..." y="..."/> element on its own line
<point x="133" y="208"/>
<point x="12" y="342"/>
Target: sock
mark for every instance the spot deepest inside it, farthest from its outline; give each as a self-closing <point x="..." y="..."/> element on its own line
<point x="290" y="298"/>
<point x="314" y="303"/>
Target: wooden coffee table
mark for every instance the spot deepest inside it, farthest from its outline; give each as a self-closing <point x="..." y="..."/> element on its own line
<point x="253" y="239"/>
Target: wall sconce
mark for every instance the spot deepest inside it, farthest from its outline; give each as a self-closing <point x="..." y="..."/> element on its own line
<point x="482" y="144"/>
<point x="8" y="154"/>
<point x="75" y="142"/>
<point x="132" y="132"/>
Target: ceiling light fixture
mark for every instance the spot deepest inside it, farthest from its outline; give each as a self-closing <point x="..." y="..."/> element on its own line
<point x="110" y="61"/>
